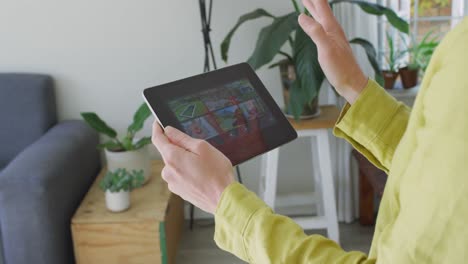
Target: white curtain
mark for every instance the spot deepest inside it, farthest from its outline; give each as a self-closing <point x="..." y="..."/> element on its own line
<point x="355" y="23"/>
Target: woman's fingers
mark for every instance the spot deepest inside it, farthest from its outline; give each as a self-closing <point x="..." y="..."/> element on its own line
<point x="322" y="12"/>
<point x="311" y="8"/>
<point x="182" y="140"/>
<point x="169" y="152"/>
<point x="313" y="29"/>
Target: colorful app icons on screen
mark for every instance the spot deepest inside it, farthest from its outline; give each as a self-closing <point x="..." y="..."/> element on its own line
<point x="188" y="107"/>
<point x="200" y="128"/>
<point x="230" y="111"/>
<point x="215" y="99"/>
<point x="229" y="118"/>
<point x="251" y="109"/>
<point x="242" y="90"/>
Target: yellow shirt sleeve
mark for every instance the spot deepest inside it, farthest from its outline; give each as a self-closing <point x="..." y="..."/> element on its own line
<point x="422" y="217"/>
<point x="374" y="124"/>
<point x="248" y="228"/>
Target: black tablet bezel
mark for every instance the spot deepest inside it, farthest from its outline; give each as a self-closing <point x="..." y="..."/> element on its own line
<point x="157" y="97"/>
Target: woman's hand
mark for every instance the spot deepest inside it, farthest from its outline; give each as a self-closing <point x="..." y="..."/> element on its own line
<point x="195" y="170"/>
<point x="334" y="52"/>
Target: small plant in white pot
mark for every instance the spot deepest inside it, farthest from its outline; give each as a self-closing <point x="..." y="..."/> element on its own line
<point x="118" y="184"/>
<point x="128" y="152"/>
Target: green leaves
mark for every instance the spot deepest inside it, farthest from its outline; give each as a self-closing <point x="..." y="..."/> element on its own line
<point x="139" y="119"/>
<point x="244" y="18"/>
<point x="296" y="100"/>
<point x="271" y="39"/>
<point x="127" y="143"/>
<point x="371" y="56"/>
<point x="142" y="142"/>
<point x="309" y="74"/>
<point x="421" y="52"/>
<point x="392" y="56"/>
<point x="296" y="6"/>
<point x="122" y="180"/>
<point x="98" y="124"/>
<point x="379" y="10"/>
<point x="111" y="145"/>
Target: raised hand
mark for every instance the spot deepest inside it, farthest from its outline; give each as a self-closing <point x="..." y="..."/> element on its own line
<point x="194" y="170"/>
<point x="334" y="52"/>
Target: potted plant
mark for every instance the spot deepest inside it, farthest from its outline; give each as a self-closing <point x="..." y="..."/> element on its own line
<point x="300" y="69"/>
<point x="391" y="73"/>
<point x="128" y="152"/>
<point x="117" y="186"/>
<point x="420" y="54"/>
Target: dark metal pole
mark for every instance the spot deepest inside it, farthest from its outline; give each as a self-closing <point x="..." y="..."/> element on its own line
<point x="209" y="54"/>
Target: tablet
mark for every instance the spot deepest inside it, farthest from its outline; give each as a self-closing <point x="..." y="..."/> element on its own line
<point x="230" y="108"/>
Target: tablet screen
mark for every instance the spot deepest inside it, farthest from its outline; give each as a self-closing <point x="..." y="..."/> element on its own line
<point x="230" y="108"/>
<point x="231" y="116"/>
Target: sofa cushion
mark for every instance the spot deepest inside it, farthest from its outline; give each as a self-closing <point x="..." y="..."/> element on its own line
<point x="27" y="111"/>
<point x="2" y="257"/>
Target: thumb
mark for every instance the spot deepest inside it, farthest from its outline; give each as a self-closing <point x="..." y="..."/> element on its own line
<point x="181" y="139"/>
<point x="312" y="28"/>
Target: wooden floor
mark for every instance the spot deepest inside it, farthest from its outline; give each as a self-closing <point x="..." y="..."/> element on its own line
<point x="198" y="247"/>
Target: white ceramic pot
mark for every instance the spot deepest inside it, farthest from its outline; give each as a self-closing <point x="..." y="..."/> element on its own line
<point x="117" y="201"/>
<point x="130" y="160"/>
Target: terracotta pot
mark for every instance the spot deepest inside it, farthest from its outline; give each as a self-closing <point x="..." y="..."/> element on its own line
<point x="409" y="77"/>
<point x="389" y="79"/>
<point x="288" y="76"/>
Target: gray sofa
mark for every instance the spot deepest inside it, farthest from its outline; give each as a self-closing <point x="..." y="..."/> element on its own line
<point x="46" y="169"/>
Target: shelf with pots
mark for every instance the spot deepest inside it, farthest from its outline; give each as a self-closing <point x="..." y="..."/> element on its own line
<point x="409" y="63"/>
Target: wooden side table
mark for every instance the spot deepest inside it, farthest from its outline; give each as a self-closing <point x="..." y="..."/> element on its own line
<point x="148" y="232"/>
<point x="325" y="194"/>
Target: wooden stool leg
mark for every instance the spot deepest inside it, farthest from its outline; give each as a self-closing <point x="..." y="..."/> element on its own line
<point x="328" y="188"/>
<point x="366" y="201"/>
<point x="271" y="177"/>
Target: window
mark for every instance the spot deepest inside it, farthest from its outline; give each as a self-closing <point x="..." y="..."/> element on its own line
<point x="424" y="16"/>
<point x="437" y="16"/>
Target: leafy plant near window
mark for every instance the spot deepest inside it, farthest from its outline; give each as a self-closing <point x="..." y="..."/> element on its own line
<point x="122" y="180"/>
<point x="393" y="54"/>
<point x="127" y="142"/>
<point x="421" y="52"/>
<point x="390" y="73"/>
<point x="309" y="75"/>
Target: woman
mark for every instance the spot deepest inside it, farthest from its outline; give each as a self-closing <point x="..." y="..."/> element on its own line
<point x="424" y="209"/>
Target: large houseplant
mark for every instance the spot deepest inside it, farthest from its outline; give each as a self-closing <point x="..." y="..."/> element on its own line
<point x="307" y="76"/>
<point x="125" y="152"/>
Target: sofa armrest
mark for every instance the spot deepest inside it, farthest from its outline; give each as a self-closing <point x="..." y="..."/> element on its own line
<point x="40" y="191"/>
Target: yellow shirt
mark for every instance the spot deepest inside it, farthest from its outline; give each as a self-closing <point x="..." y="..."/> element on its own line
<point x="423" y="214"/>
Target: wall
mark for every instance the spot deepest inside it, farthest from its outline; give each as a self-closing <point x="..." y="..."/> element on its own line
<point x="103" y="53"/>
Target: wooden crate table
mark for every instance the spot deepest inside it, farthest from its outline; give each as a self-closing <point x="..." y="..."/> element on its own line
<point x="148" y="232"/>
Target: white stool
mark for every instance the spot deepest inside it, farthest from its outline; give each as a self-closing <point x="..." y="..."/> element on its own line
<point x="324" y="196"/>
